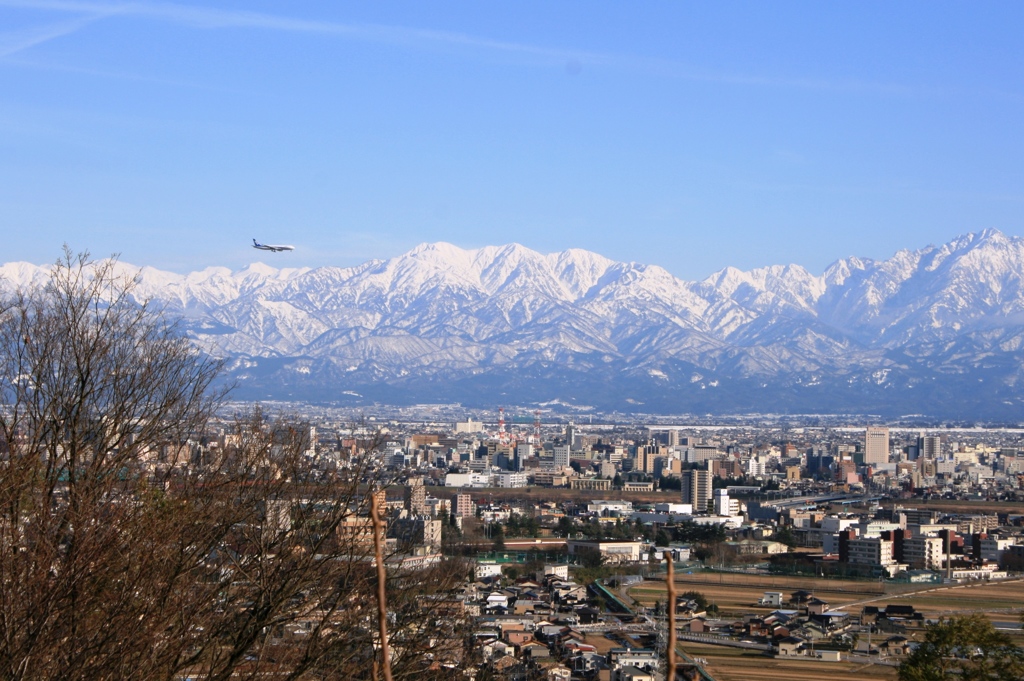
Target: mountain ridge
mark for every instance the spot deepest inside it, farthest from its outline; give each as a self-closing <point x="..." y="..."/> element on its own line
<point x="937" y="330"/>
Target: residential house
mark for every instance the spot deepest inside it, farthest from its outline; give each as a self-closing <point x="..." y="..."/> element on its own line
<point x="791" y="645"/>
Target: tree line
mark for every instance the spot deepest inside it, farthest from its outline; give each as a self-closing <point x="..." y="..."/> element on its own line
<point x="127" y="550"/>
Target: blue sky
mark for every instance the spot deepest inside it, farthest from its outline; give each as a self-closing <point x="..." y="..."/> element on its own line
<point x="688" y="135"/>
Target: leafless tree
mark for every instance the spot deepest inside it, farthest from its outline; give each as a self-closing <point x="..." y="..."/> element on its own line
<point x="130" y="550"/>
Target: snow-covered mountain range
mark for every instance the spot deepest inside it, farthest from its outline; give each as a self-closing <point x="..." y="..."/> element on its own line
<point x="936" y="331"/>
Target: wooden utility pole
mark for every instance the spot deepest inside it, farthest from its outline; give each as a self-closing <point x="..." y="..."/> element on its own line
<point x="670" y="583"/>
<point x="382" y="608"/>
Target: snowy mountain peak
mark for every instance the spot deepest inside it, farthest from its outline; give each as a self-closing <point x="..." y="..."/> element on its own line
<point x="440" y="319"/>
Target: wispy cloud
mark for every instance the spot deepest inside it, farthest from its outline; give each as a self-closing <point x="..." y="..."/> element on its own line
<point x="54" y="66"/>
<point x="213" y="18"/>
<point x="16" y="41"/>
<point x="210" y="18"/>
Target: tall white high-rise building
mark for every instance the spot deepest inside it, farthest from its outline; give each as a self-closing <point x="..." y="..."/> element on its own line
<point x="524" y="451"/>
<point x="929" y="446"/>
<point x="876" y="445"/>
<point x="571" y="436"/>
<point x="724" y="505"/>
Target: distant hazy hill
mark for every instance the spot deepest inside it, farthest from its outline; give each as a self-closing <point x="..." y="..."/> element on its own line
<point x="937" y="331"/>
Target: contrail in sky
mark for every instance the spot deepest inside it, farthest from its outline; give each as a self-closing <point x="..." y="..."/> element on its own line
<point x="212" y="18"/>
<point x="16" y="41"/>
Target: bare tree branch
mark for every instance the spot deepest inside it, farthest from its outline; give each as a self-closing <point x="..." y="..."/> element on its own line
<point x="140" y="538"/>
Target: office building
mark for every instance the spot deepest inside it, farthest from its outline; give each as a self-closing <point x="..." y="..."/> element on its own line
<point x="876" y="445"/>
<point x="645" y="456"/>
<point x="524" y="451"/>
<point x="561" y="456"/>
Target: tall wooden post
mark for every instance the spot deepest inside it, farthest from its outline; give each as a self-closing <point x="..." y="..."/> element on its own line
<point x="670" y="583"/>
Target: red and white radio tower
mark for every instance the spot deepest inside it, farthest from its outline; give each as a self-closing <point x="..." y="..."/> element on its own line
<point x="502" y="435"/>
<point x="536" y="427"/>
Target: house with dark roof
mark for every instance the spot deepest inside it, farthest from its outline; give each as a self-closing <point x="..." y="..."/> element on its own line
<point x="901" y="611"/>
<point x="801" y="597"/>
<point x="790" y="645"/>
<point x="894" y="646"/>
<point x="816" y="606"/>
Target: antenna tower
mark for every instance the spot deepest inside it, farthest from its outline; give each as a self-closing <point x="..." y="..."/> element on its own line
<point x="502" y="434"/>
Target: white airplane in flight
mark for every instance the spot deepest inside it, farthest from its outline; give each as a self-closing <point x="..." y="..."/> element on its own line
<point x="269" y="247"/>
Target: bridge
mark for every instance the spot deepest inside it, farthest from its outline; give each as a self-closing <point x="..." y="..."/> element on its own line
<point x="611" y="599"/>
<point x="796" y="502"/>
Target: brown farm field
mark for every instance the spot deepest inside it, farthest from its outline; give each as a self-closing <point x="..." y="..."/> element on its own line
<point x="958" y="505"/>
<point x="782" y="582"/>
<point x="735" y="594"/>
<point x="734" y="664"/>
<point x="999" y="600"/>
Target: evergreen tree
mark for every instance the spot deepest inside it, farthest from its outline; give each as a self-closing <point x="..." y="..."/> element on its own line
<point x="498" y="535"/>
<point x="966" y="648"/>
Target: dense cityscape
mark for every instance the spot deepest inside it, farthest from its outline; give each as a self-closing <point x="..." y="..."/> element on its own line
<point x="565" y="527"/>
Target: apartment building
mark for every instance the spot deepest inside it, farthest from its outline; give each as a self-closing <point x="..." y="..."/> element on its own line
<point x="923" y="553"/>
<point x="697" y="489"/>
